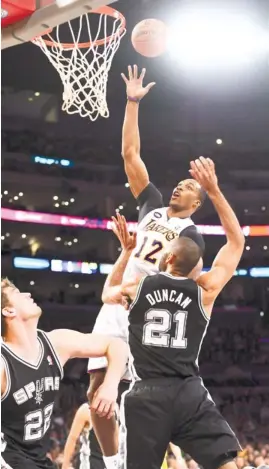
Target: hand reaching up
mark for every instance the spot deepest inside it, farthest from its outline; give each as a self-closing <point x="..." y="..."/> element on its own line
<point x="120" y="229"/>
<point x="134" y="84"/>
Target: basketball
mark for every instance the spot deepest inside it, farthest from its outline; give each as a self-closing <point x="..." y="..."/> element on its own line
<point x="149" y="37"/>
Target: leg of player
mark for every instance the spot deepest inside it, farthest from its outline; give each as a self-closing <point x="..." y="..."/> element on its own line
<point x="106" y="431"/>
<point x="148" y="418"/>
<point x="200" y="430"/>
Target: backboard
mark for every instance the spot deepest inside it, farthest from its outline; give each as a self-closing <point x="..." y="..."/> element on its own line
<point x="23" y="20"/>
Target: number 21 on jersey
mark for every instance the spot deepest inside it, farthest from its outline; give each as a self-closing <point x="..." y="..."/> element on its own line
<point x="157" y="330"/>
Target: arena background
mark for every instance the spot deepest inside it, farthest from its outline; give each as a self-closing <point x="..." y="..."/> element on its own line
<point x="54" y="164"/>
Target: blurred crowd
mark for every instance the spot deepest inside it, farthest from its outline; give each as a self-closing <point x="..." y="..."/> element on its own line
<point x="88" y="149"/>
<point x="226" y="346"/>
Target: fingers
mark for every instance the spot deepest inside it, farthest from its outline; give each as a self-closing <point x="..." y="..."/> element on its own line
<point x="114" y="226"/>
<point x="201" y="166"/>
<point x="103" y="407"/>
<point x="203" y="171"/>
<point x="195" y="175"/>
<point x="130" y="71"/>
<point x="120" y="228"/>
<point x="125" y="79"/>
<point x="135" y="72"/>
<point x="150" y="85"/>
<point x="142" y="74"/>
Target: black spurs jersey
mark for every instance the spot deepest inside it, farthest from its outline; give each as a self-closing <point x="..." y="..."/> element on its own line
<point x="27" y="404"/>
<point x="167" y="327"/>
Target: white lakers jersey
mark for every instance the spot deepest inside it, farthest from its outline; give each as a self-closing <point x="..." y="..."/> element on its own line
<point x="154" y="233"/>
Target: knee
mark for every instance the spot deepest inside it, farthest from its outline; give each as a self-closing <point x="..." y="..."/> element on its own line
<point x="96" y="379"/>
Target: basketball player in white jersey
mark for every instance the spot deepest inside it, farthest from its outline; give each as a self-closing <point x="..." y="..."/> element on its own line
<point x="157" y="227"/>
<point x="31" y="369"/>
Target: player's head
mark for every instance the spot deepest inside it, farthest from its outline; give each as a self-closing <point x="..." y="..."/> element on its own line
<point x="187" y="195"/>
<point x="183" y="257"/>
<point x="16" y="305"/>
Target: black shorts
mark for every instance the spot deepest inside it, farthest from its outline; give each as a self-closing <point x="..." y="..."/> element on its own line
<point x="16" y="460"/>
<point x="181" y="411"/>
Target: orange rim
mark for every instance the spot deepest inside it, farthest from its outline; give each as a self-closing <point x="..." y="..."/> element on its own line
<point x="108" y="11"/>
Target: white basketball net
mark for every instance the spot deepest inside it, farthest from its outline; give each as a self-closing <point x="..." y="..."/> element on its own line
<point x="84" y="72"/>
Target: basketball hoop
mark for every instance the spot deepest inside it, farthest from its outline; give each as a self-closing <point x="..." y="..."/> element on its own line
<point x="83" y="66"/>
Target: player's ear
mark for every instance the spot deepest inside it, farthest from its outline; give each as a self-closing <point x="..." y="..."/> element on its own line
<point x="197" y="204"/>
<point x="170" y="258"/>
<point x="9" y="312"/>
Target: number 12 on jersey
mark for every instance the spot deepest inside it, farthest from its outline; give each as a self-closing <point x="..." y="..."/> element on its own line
<point x="156" y="246"/>
<point x="157" y="331"/>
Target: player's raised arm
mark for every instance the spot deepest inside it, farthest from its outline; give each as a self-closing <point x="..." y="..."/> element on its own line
<point x="135" y="168"/>
<point x="81" y="419"/>
<point x="227" y="259"/>
<point x="112" y="291"/>
<point x="72" y="344"/>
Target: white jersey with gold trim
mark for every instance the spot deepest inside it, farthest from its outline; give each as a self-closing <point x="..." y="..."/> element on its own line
<point x="154" y="233"/>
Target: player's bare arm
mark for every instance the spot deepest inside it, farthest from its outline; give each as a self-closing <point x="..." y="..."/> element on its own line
<point x="135" y="168"/>
<point x="81" y="419"/>
<point x="227" y="259"/>
<point x="113" y="289"/>
<point x="3" y="378"/>
<point x="73" y="344"/>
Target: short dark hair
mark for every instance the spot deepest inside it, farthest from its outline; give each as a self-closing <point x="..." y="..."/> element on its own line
<point x="5" y="283"/>
<point x="186" y="254"/>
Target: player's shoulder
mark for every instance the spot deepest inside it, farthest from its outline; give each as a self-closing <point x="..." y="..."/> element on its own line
<point x="45" y="337"/>
<point x="180" y="224"/>
<point x="157" y="214"/>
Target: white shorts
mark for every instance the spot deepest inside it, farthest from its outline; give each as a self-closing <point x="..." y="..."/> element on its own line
<point x="112" y="320"/>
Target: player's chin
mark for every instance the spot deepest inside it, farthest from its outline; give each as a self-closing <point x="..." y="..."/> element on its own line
<point x="38" y="311"/>
<point x="174" y="204"/>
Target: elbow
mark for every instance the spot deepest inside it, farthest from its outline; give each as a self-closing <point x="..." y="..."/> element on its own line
<point x="239" y="241"/>
<point x="128" y="152"/>
<point x="104" y="297"/>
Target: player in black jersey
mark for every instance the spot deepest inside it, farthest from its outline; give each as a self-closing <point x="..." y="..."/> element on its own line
<point x="168" y="317"/>
<point x="31" y="369"/>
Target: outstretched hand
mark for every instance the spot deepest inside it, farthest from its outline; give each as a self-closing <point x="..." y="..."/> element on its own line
<point x="120" y="229"/>
<point x="203" y="171"/>
<point x="134" y="85"/>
